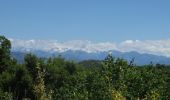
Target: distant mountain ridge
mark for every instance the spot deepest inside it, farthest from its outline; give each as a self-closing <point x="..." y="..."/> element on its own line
<point x="78" y="55"/>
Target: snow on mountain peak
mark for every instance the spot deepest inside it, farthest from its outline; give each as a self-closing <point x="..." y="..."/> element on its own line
<point x="55" y="46"/>
<point x="156" y="47"/>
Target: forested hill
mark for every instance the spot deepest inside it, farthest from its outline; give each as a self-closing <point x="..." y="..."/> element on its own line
<point x="55" y="78"/>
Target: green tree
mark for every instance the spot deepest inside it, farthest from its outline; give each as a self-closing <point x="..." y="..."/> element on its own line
<point x="5" y="47"/>
<point x="5" y="95"/>
<point x="22" y="84"/>
<point x="31" y="61"/>
<point x="39" y="84"/>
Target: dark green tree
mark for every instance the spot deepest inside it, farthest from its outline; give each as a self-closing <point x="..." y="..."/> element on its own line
<point x="5" y="47"/>
<point x="31" y="62"/>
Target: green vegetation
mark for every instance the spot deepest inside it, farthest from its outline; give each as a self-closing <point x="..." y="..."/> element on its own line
<point x="58" y="79"/>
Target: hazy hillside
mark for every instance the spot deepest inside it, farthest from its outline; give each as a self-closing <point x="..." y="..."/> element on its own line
<point x="139" y="59"/>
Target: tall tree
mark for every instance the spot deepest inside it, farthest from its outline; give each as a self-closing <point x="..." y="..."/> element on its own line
<point x="31" y="63"/>
<point x="5" y="47"/>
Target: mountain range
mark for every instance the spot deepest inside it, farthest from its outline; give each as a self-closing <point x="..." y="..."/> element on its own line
<point x="79" y="55"/>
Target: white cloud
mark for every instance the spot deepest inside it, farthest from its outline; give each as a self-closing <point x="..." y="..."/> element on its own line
<point x="54" y="45"/>
<point x="157" y="47"/>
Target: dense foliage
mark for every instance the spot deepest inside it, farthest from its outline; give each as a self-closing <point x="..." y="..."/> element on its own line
<point x="55" y="78"/>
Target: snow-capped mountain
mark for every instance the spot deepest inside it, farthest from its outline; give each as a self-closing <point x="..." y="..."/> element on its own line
<point x="143" y="51"/>
<point x="155" y="47"/>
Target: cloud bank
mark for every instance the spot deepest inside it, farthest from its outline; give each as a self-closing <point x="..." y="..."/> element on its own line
<point x="156" y="47"/>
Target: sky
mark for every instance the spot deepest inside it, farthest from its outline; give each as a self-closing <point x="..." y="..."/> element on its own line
<point x="93" y="20"/>
<point x="87" y="25"/>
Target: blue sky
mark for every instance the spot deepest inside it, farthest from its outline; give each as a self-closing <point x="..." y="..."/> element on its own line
<point x="94" y="20"/>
